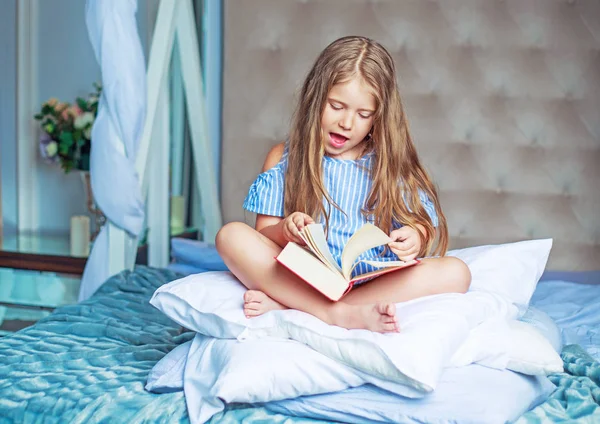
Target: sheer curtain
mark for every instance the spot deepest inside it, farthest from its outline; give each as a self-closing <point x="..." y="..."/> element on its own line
<point x="112" y="29"/>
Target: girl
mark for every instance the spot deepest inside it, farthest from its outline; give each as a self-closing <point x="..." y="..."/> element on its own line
<point x="349" y="160"/>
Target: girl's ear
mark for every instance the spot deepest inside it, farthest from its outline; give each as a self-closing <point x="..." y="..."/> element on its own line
<point x="369" y="135"/>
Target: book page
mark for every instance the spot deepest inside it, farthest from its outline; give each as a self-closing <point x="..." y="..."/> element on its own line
<point x="384" y="270"/>
<point x="387" y="264"/>
<point x="367" y="237"/>
<point x="313" y="271"/>
<point x="314" y="237"/>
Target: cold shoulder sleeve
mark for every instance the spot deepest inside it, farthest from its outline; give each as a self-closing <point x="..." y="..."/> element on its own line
<point x="265" y="195"/>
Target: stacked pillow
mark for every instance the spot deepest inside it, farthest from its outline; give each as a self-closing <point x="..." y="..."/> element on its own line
<point x="440" y="331"/>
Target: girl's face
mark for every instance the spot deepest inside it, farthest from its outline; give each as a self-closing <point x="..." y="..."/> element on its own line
<point x="347" y="118"/>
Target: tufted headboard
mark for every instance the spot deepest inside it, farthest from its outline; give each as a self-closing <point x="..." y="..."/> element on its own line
<point x="503" y="98"/>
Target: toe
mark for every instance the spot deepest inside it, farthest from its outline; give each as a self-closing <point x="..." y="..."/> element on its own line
<point x="388" y="309"/>
<point x="252" y="306"/>
<point x="390" y="328"/>
<point x="249" y="296"/>
<point x="252" y="312"/>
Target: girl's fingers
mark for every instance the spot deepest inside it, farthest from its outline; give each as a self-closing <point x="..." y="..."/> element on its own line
<point x="404" y="253"/>
<point x="403" y="245"/>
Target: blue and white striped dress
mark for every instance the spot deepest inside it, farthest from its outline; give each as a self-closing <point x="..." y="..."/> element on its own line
<point x="348" y="183"/>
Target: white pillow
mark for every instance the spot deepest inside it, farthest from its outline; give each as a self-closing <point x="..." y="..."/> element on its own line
<point x="545" y="325"/>
<point x="512" y="270"/>
<point x="167" y="374"/>
<point x="209" y="303"/>
<point x="220" y="371"/>
<point x="530" y="352"/>
<point x="513" y="345"/>
<point x="432" y="329"/>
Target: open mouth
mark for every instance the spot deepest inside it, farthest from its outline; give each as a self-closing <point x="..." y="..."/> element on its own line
<point x="337" y="140"/>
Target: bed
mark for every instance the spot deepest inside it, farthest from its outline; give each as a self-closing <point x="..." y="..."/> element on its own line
<point x="89" y="362"/>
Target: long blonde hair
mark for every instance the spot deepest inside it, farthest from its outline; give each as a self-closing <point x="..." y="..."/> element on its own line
<point x="396" y="172"/>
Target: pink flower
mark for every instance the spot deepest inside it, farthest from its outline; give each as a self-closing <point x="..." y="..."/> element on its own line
<point x="61" y="106"/>
<point x="75" y="111"/>
<point x="52" y="102"/>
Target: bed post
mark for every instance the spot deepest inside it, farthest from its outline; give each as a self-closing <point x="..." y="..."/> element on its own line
<point x="195" y="99"/>
<point x="174" y="17"/>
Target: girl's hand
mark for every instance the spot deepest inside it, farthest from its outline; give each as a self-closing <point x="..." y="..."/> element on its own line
<point x="406" y="243"/>
<point x="293" y="224"/>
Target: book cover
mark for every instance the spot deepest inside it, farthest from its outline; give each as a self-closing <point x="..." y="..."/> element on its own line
<point x="315" y="264"/>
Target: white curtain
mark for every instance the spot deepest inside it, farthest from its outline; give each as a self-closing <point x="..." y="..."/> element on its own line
<point x="112" y="28"/>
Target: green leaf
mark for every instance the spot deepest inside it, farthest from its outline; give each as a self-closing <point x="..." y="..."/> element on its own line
<point x="63" y="149"/>
<point x="82" y="103"/>
<point x="66" y="138"/>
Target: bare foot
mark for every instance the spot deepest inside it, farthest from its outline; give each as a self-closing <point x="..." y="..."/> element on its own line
<point x="380" y="317"/>
<point x="257" y="303"/>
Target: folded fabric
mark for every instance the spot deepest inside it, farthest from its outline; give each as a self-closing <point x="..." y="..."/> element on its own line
<point x="185" y="269"/>
<point x="198" y="254"/>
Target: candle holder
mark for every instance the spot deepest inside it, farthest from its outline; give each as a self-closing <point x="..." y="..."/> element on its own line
<point x="98" y="217"/>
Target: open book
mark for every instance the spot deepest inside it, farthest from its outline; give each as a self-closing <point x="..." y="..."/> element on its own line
<point x="315" y="263"/>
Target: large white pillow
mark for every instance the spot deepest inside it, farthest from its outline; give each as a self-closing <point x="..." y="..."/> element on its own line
<point x="512" y="269"/>
<point x="222" y="371"/>
<point x="514" y="345"/>
<point x="433" y="327"/>
<point x="209" y="303"/>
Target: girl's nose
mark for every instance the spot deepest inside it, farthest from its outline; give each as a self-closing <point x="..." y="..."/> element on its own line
<point x="346" y="122"/>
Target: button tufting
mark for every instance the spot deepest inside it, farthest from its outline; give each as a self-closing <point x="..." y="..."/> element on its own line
<point x="504" y="100"/>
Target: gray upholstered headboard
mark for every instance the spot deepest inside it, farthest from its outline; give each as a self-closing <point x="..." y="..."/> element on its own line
<point x="503" y="97"/>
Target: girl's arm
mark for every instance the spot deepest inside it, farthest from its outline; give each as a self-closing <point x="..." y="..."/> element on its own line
<point x="272" y="226"/>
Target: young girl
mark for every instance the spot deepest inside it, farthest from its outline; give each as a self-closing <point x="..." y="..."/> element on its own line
<point x="349" y="160"/>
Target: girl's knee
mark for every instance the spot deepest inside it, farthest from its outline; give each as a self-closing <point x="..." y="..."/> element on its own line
<point x="229" y="236"/>
<point x="459" y="273"/>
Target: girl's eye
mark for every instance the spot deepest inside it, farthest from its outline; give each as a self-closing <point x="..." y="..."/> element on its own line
<point x="335" y="107"/>
<point x="364" y="116"/>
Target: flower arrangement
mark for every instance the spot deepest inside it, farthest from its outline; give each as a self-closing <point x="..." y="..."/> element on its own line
<point x="67" y="131"/>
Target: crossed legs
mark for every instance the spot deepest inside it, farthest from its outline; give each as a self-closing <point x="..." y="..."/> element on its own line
<point x="250" y="257"/>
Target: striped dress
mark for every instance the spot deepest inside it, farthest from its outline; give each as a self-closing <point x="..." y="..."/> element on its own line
<point x="348" y="183"/>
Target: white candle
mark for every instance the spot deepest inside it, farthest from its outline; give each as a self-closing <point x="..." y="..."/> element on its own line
<point x="177" y="214"/>
<point x="80" y="236"/>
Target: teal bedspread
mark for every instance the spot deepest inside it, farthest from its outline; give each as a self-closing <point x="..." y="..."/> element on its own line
<point x="88" y="363"/>
<point x="577" y="397"/>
